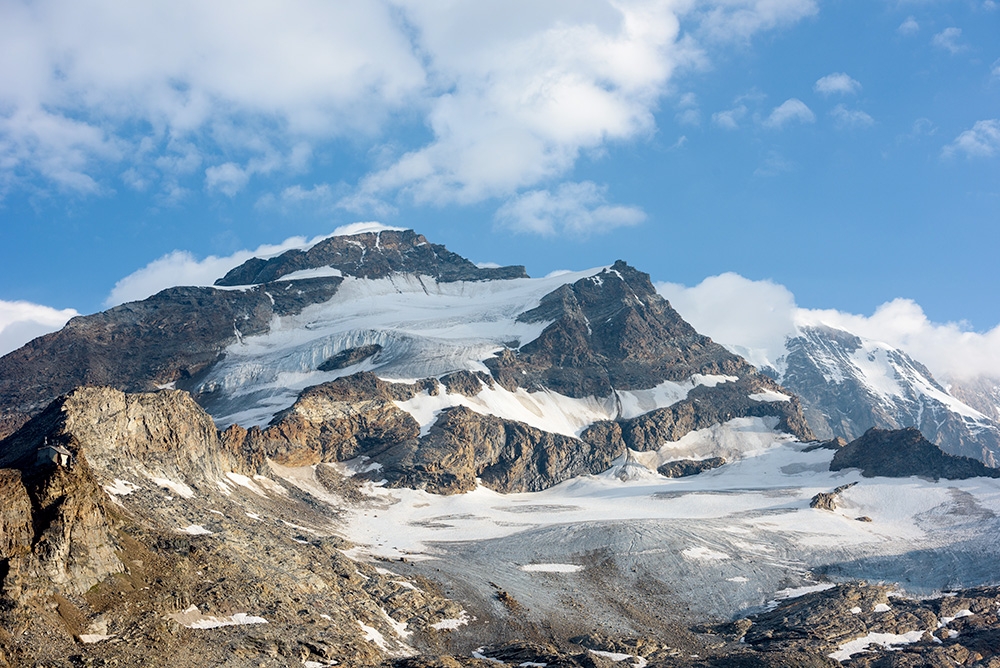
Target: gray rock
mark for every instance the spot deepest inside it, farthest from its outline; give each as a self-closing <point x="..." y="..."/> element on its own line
<point x="688" y="467"/>
<point x="903" y="453"/>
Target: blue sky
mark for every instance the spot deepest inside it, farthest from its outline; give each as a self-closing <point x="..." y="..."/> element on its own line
<point x="846" y="150"/>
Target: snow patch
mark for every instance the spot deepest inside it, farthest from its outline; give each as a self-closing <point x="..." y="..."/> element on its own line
<point x="193" y="619"/>
<point x="551" y="568"/>
<point x="702" y="553"/>
<point x="178" y="488"/>
<point x="769" y="396"/>
<point x="121" y="487"/>
<point x="92" y="638"/>
<point x="617" y="657"/>
<point x="887" y="640"/>
<point x="452" y="624"/>
<point x="795" y="592"/>
<point x="194" y="530"/>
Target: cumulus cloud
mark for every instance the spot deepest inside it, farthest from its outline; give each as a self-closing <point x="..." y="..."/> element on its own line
<point x="579" y="209"/>
<point x="753" y="318"/>
<point x="851" y="118"/>
<point x="949" y="39"/>
<point x="181" y="267"/>
<point x="182" y="95"/>
<point x="790" y="111"/>
<point x="22" y="321"/>
<point x="837" y="83"/>
<point x="982" y="141"/>
<point x="78" y="78"/>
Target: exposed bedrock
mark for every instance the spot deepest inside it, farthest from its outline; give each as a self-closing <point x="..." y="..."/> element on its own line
<point x="371" y="255"/>
<point x="169" y="337"/>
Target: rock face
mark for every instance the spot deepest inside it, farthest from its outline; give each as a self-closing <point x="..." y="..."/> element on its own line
<point x="685" y="467"/>
<point x="903" y="453"/>
<point x="611" y="331"/>
<point x="849" y="384"/>
<point x="981" y="393"/>
<point x="370" y="255"/>
<point x="170" y="337"/>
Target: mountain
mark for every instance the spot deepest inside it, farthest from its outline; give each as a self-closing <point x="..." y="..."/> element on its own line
<point x="848" y="384"/>
<point x="372" y="452"/>
<point x="982" y="394"/>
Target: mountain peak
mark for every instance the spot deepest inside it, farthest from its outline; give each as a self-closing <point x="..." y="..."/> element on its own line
<point x="369" y="254"/>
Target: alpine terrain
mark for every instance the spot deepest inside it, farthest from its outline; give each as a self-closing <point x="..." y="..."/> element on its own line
<point x="372" y="452"/>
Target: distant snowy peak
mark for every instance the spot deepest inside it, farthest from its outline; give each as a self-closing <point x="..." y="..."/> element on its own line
<point x="982" y="393"/>
<point x="848" y="384"/>
<point x="369" y="253"/>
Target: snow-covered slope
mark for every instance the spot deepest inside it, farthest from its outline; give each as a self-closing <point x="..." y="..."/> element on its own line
<point x="425" y="328"/>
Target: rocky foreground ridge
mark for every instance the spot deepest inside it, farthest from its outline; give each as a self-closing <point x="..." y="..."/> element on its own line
<point x="161" y="542"/>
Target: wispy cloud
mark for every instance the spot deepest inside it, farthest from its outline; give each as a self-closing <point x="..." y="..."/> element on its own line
<point x="22" y="321"/>
<point x="949" y="39"/>
<point x="982" y="141"/>
<point x="850" y="118"/>
<point x="909" y="26"/>
<point x="730" y="118"/>
<point x="790" y="111"/>
<point x="774" y="164"/>
<point x="837" y="83"/>
<point x="579" y="209"/>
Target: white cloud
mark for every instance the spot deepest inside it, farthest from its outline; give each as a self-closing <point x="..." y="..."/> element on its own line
<point x="789" y="111"/>
<point x="578" y="209"/>
<point x="851" y="118"/>
<point x="909" y="26"/>
<point x="949" y="39"/>
<point x="982" y="141"/>
<point x="741" y="19"/>
<point x="754" y="317"/>
<point x="995" y="68"/>
<point x="230" y="91"/>
<point x="22" y="321"/>
<point x="729" y="119"/>
<point x="837" y="83"/>
<point x="774" y="164"/>
<point x="77" y="78"/>
<point x="183" y="268"/>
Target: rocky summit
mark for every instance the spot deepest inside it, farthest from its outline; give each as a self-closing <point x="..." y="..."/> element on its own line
<point x="372" y="452"/>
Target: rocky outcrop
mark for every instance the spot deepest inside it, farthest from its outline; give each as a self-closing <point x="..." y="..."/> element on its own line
<point x="682" y="468"/>
<point x="828" y="500"/>
<point x="610" y="331"/>
<point x="507" y="456"/>
<point x="707" y="406"/>
<point x="356" y="415"/>
<point x="905" y="452"/>
<point x="370" y="255"/>
<point x="350" y="357"/>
